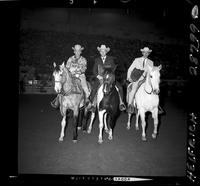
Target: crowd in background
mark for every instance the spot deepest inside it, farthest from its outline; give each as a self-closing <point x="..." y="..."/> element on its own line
<point x="39" y="49"/>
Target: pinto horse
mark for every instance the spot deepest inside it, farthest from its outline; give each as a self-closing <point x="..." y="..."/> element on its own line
<point x="147" y="99"/>
<point x="69" y="98"/>
<point x="107" y="104"/>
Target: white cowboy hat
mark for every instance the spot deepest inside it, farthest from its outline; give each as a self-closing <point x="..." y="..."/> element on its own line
<point x="77" y="48"/>
<point x="146" y="49"/>
<point x="103" y="47"/>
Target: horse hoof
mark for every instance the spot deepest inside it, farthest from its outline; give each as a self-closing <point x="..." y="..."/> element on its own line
<point x="128" y="127"/>
<point x="110" y="137"/>
<point x="144" y="138"/>
<point x="136" y="128"/>
<point x="100" y="141"/>
<point x="106" y="130"/>
<point x="154" y="135"/>
<point x="88" y="131"/>
<point x="84" y="131"/>
<point x="60" y="139"/>
<point x="79" y="128"/>
<point x="74" y="141"/>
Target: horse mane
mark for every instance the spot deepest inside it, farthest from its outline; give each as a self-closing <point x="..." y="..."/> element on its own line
<point x="67" y="75"/>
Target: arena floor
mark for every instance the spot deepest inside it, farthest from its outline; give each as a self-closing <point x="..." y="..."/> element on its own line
<point x="39" y="151"/>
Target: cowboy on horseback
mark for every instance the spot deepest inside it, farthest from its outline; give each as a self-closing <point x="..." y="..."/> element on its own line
<point x="101" y="63"/>
<point x="136" y="73"/>
<point x="77" y="66"/>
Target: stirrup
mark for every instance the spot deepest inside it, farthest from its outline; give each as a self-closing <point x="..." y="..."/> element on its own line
<point x="53" y="105"/>
<point x="122" y="107"/>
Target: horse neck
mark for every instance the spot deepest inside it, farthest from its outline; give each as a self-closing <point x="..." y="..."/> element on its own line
<point x="67" y="84"/>
<point x="112" y="88"/>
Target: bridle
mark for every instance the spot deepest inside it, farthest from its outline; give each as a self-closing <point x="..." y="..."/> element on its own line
<point x="152" y="90"/>
<point x="58" y="82"/>
<point x="109" y="84"/>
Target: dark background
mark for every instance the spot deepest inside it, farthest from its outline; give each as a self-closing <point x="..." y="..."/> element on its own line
<point x="31" y="46"/>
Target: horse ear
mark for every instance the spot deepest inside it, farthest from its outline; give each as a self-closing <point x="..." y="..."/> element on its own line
<point x="160" y="67"/>
<point x="54" y="64"/>
<point x="62" y="66"/>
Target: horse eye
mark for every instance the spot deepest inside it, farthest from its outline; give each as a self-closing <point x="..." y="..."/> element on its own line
<point x="151" y="76"/>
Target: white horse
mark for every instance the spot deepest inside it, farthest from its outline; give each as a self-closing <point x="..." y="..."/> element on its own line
<point x="147" y="99"/>
<point x="68" y="99"/>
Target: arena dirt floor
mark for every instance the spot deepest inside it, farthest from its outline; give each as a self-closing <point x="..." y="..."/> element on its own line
<point x="39" y="151"/>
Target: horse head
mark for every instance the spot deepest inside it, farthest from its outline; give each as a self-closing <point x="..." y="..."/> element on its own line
<point x="61" y="75"/>
<point x="108" y="79"/>
<point x="57" y="74"/>
<point x="153" y="77"/>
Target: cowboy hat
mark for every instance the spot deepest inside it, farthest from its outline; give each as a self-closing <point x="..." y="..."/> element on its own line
<point x="77" y="47"/>
<point x="146" y="49"/>
<point x="103" y="47"/>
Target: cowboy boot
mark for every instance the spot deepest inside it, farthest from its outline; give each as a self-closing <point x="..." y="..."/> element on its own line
<point x="87" y="101"/>
<point x="160" y="110"/>
<point x="55" y="103"/>
<point x="122" y="106"/>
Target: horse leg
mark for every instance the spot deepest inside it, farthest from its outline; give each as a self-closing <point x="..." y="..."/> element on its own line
<point x="142" y="116"/>
<point x="105" y="123"/>
<point x="63" y="124"/>
<point x="101" y="120"/>
<point x="110" y="134"/>
<point x="75" y="134"/>
<point x="85" y="119"/>
<point x="80" y="118"/>
<point x="111" y="124"/>
<point x="155" y="117"/>
<point x="137" y="119"/>
<point x="91" y="122"/>
<point x="129" y="122"/>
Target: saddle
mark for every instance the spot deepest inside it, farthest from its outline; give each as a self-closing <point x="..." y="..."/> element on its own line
<point x="139" y="84"/>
